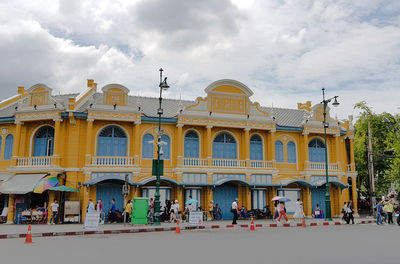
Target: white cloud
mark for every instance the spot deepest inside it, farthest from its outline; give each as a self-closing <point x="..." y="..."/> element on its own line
<point x="284" y="50"/>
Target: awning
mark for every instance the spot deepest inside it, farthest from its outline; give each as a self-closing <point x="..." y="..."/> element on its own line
<point x="21" y="183"/>
<point x="301" y="183"/>
<point x="4" y="176"/>
<point x="63" y="188"/>
<point x="333" y="182"/>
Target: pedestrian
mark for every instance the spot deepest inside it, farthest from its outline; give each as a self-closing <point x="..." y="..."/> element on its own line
<point x="217" y="212"/>
<point x="54" y="211"/>
<point x="299" y="213"/>
<point x="128" y="211"/>
<point x="211" y="210"/>
<point x="177" y="210"/>
<point x="112" y="216"/>
<point x="150" y="210"/>
<point x="99" y="209"/>
<point x="90" y="208"/>
<point x="344" y="212"/>
<point x="172" y="212"/>
<point x="276" y="212"/>
<point x="350" y="212"/>
<point x="317" y="212"/>
<point x="234" y="211"/>
<point x="388" y="208"/>
<point x="379" y="213"/>
<point x="282" y="212"/>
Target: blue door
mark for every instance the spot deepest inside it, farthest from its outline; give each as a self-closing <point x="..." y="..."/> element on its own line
<point x="43" y="142"/>
<point x="112" y="141"/>
<point x="224" y="196"/>
<point x="316" y="150"/>
<point x="318" y="197"/>
<point x="107" y="191"/>
<point x="224" y="147"/>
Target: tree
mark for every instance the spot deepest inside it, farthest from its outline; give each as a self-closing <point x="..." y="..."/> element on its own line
<point x="385" y="140"/>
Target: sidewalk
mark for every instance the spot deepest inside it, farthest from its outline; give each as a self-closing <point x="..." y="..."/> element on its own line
<point x="14" y="231"/>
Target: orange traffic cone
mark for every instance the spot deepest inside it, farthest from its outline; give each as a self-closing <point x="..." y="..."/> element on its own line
<point x="252" y="224"/>
<point x="28" y="238"/>
<point x="177" y="229"/>
<point x="304" y="223"/>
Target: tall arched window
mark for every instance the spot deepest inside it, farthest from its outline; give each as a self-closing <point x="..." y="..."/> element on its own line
<point x="191" y="145"/>
<point x="112" y="141"/>
<point x="224" y="147"/>
<point x="291" y="152"/>
<point x="256" y="149"/>
<point x="44" y="142"/>
<point x="279" y="151"/>
<point x="8" y="147"/>
<point x="148" y="146"/>
<point x="165" y="147"/>
<point x="316" y="150"/>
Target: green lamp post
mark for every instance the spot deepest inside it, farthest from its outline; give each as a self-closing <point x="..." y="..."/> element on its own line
<point x="158" y="164"/>
<point x="328" y="216"/>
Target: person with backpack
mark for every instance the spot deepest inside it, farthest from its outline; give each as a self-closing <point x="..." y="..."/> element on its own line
<point x="350" y="212"/>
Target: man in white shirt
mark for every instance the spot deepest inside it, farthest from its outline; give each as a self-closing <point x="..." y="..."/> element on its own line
<point x="234" y="211"/>
<point x="54" y="210"/>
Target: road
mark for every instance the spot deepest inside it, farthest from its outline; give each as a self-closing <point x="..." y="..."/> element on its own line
<point x="335" y="244"/>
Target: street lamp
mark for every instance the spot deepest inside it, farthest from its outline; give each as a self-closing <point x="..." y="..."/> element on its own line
<point x="158" y="164"/>
<point x="335" y="103"/>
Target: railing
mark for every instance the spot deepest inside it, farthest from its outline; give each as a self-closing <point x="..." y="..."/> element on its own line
<point x="262" y="164"/>
<point x="194" y="162"/>
<point x="112" y="161"/>
<point x="322" y="166"/>
<point x="35" y="161"/>
<point x="228" y="163"/>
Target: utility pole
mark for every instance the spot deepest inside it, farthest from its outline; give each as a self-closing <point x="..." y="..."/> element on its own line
<point x="371" y="169"/>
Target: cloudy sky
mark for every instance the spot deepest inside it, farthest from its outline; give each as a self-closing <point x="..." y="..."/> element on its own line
<point x="284" y="50"/>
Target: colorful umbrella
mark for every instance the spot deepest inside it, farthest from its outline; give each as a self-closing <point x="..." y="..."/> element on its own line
<point x="276" y="198"/>
<point x="191" y="201"/>
<point x="46" y="183"/>
<point x="284" y="199"/>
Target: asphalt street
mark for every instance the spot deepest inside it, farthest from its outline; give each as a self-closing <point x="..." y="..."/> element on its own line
<point x="334" y="244"/>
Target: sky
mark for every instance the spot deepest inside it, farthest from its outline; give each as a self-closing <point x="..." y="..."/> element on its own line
<point x="285" y="51"/>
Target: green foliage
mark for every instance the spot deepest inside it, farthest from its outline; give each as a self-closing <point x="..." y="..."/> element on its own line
<point x="386" y="145"/>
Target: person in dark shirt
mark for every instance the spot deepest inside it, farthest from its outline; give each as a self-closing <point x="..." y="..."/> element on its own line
<point x="112" y="211"/>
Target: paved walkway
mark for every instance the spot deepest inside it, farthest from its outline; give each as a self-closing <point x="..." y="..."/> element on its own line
<point x="22" y="229"/>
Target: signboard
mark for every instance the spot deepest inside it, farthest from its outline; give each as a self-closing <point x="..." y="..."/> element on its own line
<point x="92" y="221"/>
<point x="71" y="208"/>
<point x="196" y="218"/>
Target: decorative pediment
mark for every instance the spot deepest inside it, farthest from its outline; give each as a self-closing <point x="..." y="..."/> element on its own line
<point x="39" y="94"/>
<point x="115" y="94"/>
<point x="227" y="100"/>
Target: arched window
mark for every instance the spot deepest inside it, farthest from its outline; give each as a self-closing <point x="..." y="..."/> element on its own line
<point x="165" y="147"/>
<point x="8" y="147"/>
<point x="256" y="149"/>
<point x="316" y="150"/>
<point x="279" y="151"/>
<point x="291" y="152"/>
<point x="224" y="147"/>
<point x="112" y="141"/>
<point x="44" y="142"/>
<point x="191" y="145"/>
<point x="148" y="146"/>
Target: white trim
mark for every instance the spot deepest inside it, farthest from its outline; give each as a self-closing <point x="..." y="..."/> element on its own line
<point x="229" y="82"/>
<point x="115" y="85"/>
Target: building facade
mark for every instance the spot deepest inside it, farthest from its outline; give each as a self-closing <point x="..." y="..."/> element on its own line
<point x="217" y="147"/>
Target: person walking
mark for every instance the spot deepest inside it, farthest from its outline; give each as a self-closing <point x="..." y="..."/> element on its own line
<point x="171" y="212"/>
<point x="234" y="209"/>
<point x="344" y="212"/>
<point x="299" y="213"/>
<point x="90" y="208"/>
<point x="379" y="213"/>
<point x="282" y="212"/>
<point x="211" y="210"/>
<point x="99" y="209"/>
<point x="276" y="212"/>
<point x="54" y="211"/>
<point x="350" y="212"/>
<point x="112" y="215"/>
<point x="128" y="211"/>
<point x="388" y="208"/>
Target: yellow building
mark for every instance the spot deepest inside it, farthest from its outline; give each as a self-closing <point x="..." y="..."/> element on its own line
<point x="218" y="147"/>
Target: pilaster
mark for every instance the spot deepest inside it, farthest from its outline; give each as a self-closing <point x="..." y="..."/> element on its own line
<point x="11" y="209"/>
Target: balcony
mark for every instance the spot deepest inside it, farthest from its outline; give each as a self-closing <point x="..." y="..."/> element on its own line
<point x="114" y="161"/>
<point x="226" y="163"/>
<point x="37" y="162"/>
<point x="320" y="166"/>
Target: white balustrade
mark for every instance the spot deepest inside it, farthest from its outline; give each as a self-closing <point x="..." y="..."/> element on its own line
<point x="261" y="164"/>
<point x="113" y="161"/>
<point x="321" y="166"/>
<point x="229" y="163"/>
<point x="34" y="161"/>
<point x="194" y="162"/>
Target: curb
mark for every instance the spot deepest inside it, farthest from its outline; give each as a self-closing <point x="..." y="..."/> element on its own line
<point x="162" y="229"/>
